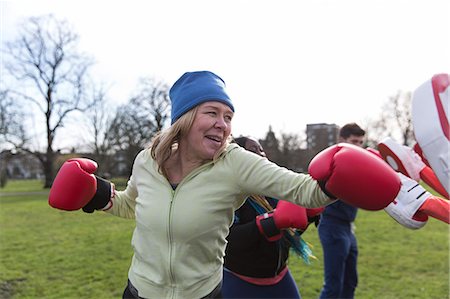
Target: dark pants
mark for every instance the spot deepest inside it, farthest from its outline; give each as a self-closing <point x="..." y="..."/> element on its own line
<point x="130" y="292"/>
<point x="234" y="287"/>
<point x="340" y="253"/>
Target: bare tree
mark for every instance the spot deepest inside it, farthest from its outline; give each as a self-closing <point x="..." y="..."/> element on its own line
<point x="271" y="145"/>
<point x="395" y="120"/>
<point x="96" y="134"/>
<point x="138" y="121"/>
<point x="289" y="151"/>
<point x="289" y="143"/>
<point x="12" y="131"/>
<point x="51" y="76"/>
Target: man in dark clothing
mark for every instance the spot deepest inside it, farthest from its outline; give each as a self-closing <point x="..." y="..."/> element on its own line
<point x="336" y="232"/>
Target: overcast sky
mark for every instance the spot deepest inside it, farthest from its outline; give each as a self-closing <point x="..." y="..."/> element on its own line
<point x="286" y="63"/>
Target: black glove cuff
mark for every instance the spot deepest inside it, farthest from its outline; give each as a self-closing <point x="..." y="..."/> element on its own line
<point x="322" y="186"/>
<point x="268" y="228"/>
<point x="101" y="198"/>
<point x="315" y="220"/>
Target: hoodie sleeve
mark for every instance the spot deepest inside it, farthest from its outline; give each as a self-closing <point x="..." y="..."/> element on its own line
<point x="257" y="175"/>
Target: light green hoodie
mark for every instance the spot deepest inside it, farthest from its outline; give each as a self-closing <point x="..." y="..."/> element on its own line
<point x="179" y="239"/>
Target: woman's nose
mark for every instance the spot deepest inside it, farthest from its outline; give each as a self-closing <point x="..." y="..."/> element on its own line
<point x="221" y="123"/>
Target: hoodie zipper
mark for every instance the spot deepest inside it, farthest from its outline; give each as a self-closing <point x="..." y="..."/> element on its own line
<point x="169" y="238"/>
<point x="169" y="225"/>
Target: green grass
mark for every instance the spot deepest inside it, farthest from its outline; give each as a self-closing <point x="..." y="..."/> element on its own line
<point x="23" y="186"/>
<point x="14" y="186"/>
<point x="47" y="253"/>
<point x="393" y="262"/>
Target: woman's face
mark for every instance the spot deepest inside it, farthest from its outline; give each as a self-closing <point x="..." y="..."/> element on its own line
<point x="210" y="130"/>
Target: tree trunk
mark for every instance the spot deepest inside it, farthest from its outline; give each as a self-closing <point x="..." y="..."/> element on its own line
<point x="49" y="172"/>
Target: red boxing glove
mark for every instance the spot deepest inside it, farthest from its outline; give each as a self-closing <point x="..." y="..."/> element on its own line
<point x="355" y="176"/>
<point x="374" y="151"/>
<point x="286" y="215"/>
<point x="76" y="187"/>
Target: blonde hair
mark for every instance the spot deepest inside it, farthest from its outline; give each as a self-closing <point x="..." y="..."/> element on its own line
<point x="166" y="142"/>
<point x="262" y="201"/>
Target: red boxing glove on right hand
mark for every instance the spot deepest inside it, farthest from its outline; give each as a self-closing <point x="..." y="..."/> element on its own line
<point x="286" y="215"/>
<point x="355" y="176"/>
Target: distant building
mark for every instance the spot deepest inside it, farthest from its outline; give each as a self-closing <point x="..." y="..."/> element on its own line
<point x="20" y="165"/>
<point x="25" y="166"/>
<point x="320" y="136"/>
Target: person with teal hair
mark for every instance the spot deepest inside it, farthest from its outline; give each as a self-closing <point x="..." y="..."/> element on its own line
<point x="255" y="262"/>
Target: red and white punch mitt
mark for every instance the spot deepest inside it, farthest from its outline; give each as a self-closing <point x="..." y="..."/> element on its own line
<point x="355" y="176"/>
<point x="419" y="151"/>
<point x="404" y="209"/>
<point x="407" y="161"/>
<point x="401" y="158"/>
<point x="430" y="115"/>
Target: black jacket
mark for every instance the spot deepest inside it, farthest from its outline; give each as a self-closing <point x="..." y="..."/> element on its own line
<point x="248" y="252"/>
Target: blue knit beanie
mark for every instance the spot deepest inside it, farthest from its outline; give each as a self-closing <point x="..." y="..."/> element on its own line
<point x="194" y="88"/>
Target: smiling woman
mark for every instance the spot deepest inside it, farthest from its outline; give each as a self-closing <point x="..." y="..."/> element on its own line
<point x="185" y="187"/>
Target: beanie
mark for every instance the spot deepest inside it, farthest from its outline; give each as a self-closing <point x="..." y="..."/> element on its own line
<point x="194" y="88"/>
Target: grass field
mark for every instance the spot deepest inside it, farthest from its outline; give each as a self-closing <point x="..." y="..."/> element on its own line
<point x="47" y="253"/>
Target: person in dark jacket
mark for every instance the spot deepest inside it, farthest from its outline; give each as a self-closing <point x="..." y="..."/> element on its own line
<point x="336" y="233"/>
<point x="256" y="255"/>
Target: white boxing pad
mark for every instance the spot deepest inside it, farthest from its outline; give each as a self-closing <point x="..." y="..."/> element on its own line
<point x="407" y="203"/>
<point x="430" y="113"/>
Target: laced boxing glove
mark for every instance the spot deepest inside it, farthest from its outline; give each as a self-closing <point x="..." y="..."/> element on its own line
<point x="405" y="160"/>
<point x="285" y="215"/>
<point x="355" y="176"/>
<point x="430" y="117"/>
<point x="405" y="208"/>
<point x="75" y="187"/>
